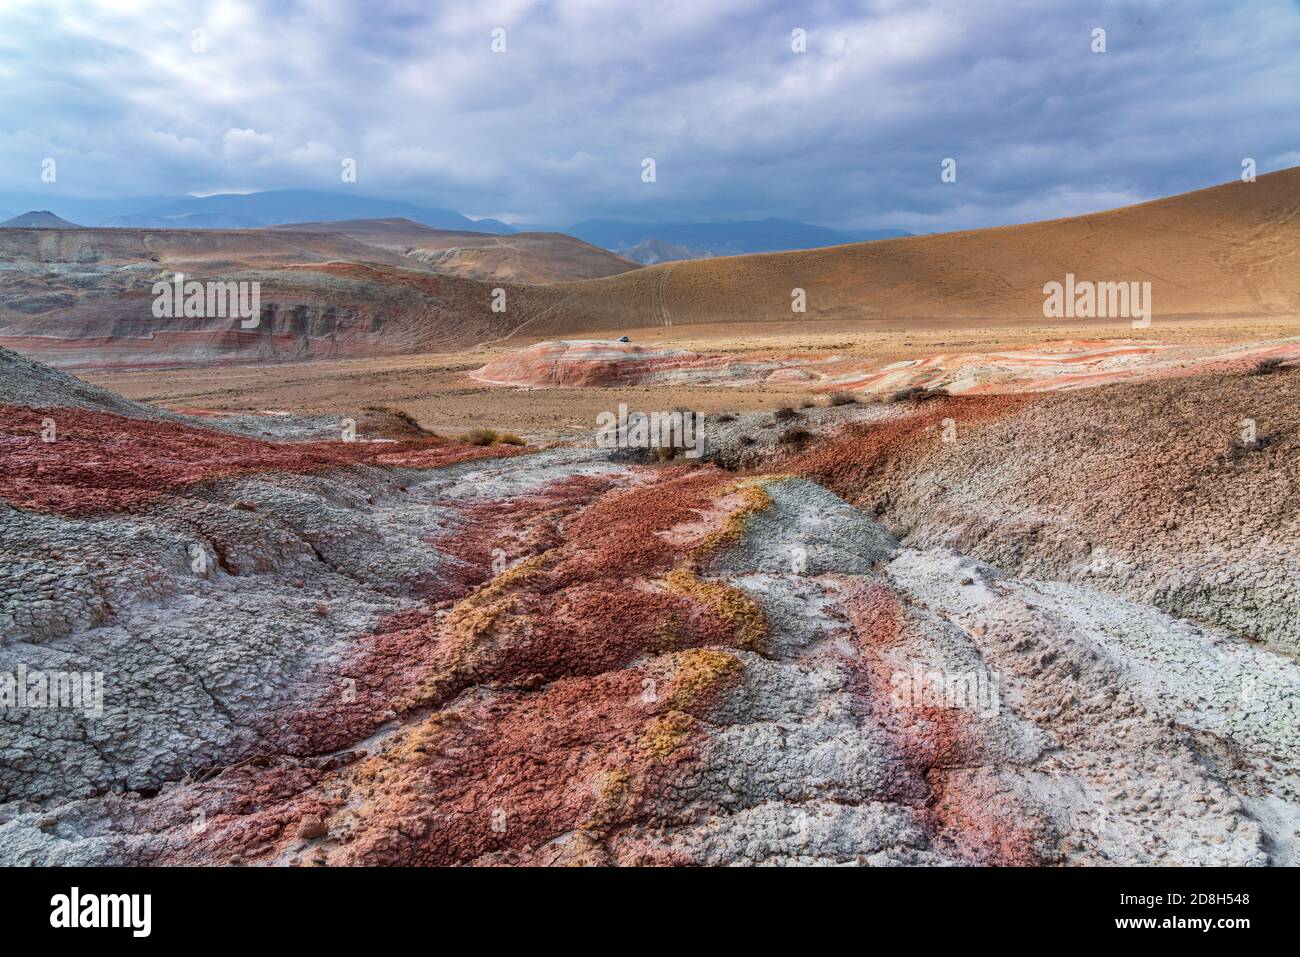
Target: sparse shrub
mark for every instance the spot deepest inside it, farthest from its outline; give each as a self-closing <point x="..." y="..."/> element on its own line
<point x="907" y="395"/>
<point x="726" y="417"/>
<point x="917" y="393"/>
<point x="490" y="437"/>
<point x="842" y="398"/>
<point x="807" y="404"/>
<point x="401" y="414"/>
<point x="745" y="440"/>
<point x="479" y="437"/>
<point x="785" y="414"/>
<point x="1265" y="366"/>
<point x="795" y="435"/>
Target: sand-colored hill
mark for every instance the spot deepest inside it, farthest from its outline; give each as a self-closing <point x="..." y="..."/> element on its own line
<point x="1230" y="249"/>
<point x="527" y="258"/>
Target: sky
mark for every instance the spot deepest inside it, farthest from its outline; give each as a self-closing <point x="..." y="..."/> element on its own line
<point x="174" y="97"/>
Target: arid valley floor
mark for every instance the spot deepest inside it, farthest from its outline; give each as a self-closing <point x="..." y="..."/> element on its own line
<point x="950" y="583"/>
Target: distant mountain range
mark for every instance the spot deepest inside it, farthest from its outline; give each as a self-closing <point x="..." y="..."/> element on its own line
<point x="659" y="242"/>
<point x="642" y="242"/>
<point x="278" y="206"/>
<point x="185" y="221"/>
<point x="37" y="219"/>
<point x="246" y="210"/>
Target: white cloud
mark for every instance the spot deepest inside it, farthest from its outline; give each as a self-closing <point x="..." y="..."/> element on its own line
<point x="849" y="133"/>
<point x="246" y="146"/>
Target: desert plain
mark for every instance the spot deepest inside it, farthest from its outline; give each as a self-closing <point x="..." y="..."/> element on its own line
<point x="440" y="391"/>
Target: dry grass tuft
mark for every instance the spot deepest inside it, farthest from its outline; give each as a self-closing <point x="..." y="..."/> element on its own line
<point x="489" y="437"/>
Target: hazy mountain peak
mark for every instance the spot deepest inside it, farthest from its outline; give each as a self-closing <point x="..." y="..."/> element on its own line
<point x="37" y="219"/>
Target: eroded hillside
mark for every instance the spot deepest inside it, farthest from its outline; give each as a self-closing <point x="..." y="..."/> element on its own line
<point x="886" y="633"/>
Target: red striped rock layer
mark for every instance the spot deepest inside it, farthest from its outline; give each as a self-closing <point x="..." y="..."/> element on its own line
<point x="559" y="711"/>
<point x="641" y="686"/>
<point x="1069" y="365"/>
<point x="582" y="702"/>
<point x="78" y="461"/>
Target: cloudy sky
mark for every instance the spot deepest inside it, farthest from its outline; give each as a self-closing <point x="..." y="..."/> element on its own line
<point x="152" y="97"/>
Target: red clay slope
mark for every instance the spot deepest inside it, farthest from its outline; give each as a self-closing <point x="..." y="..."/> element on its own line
<point x="104" y="462"/>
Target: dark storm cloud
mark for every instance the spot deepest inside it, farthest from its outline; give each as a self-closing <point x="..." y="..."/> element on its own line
<point x="166" y="96"/>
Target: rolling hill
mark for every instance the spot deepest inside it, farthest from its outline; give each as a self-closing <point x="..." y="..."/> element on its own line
<point x="1229" y="250"/>
<point x="1226" y="250"/>
<point x="526" y="258"/>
